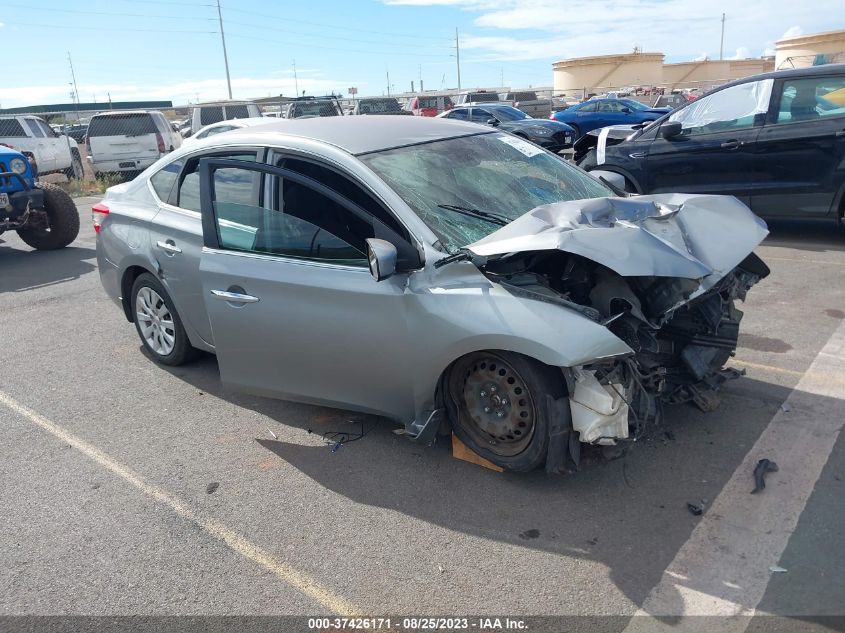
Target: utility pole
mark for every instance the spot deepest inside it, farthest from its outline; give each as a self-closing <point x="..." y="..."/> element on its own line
<point x="722" y="41"/>
<point x="75" y="89"/>
<point x="295" y="78"/>
<point x="225" y="56"/>
<point x="458" y="56"/>
<point x="388" y="82"/>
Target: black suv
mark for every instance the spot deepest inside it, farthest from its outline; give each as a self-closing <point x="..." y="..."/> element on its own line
<point x="776" y="141"/>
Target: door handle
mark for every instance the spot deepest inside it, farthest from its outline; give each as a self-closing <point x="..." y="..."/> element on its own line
<point x="730" y="145"/>
<point x="169" y="246"/>
<point x="234" y="297"/>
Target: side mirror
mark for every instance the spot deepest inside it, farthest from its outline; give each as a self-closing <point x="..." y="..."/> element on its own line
<point x="381" y="256"/>
<point x="626" y="110"/>
<point x="671" y="129"/>
<point x="492" y="122"/>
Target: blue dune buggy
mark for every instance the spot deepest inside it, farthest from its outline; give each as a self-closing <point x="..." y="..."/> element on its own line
<point x="44" y="215"/>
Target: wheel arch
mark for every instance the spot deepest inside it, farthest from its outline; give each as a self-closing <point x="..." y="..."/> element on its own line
<point x="127" y="279"/>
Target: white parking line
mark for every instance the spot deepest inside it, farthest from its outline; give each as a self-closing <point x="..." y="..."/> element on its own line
<point x="297" y="579"/>
<point x="723" y="568"/>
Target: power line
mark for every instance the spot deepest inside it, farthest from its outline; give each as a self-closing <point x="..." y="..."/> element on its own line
<point x="416" y="36"/>
<point x="280" y="30"/>
<point x="313" y="46"/>
<point x="108" y="13"/>
<point x="99" y="28"/>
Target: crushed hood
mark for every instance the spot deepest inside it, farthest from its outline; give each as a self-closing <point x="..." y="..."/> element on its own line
<point x="667" y="235"/>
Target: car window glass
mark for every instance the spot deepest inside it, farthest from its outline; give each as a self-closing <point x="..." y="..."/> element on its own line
<point x="345" y="187"/>
<point x="217" y="130"/>
<point x="811" y="99"/>
<point x="188" y="192"/>
<point x="587" y="107"/>
<point x="48" y="131"/>
<point x="209" y="115"/>
<point x="130" y="124"/>
<point x="164" y="179"/>
<point x="609" y="106"/>
<point x="733" y="108"/>
<point x="32" y="124"/>
<point x="303" y="223"/>
<point x="460" y="114"/>
<point x="11" y="128"/>
<point x="237" y="112"/>
<point x="480" y="115"/>
<point x="494" y="172"/>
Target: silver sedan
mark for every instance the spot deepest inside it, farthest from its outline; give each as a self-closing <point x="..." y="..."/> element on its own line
<point x="439" y="273"/>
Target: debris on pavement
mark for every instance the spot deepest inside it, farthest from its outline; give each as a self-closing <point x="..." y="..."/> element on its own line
<point x="777" y="570"/>
<point x="763" y="466"/>
<point x="271" y="433"/>
<point x="785" y="407"/>
<point x="695" y="508"/>
<point x="210" y="488"/>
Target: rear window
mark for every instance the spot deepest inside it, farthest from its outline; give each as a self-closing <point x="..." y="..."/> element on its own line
<point x="522" y="96"/>
<point x="136" y="124"/>
<point x="211" y="115"/>
<point x="11" y="128"/>
<point x="427" y="102"/>
<point x="379" y="105"/>
<point x="313" y="108"/>
<point x="482" y="97"/>
<point x="237" y="112"/>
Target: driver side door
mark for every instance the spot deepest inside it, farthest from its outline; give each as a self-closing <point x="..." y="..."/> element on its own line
<point x="294" y="310"/>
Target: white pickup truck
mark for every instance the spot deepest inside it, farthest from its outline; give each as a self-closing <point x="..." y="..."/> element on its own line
<point x="52" y="152"/>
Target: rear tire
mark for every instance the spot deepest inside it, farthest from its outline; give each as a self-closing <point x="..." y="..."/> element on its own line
<point x="158" y="324"/>
<point x="497" y="404"/>
<point x="63" y="221"/>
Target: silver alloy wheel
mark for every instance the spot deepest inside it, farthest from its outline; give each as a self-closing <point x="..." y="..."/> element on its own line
<point x="155" y="321"/>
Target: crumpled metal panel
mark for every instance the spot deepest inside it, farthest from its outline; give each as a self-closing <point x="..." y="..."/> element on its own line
<point x="665" y="235"/>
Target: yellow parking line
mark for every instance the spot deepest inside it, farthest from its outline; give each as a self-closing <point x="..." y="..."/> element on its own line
<point x="285" y="572"/>
<point x="777" y="370"/>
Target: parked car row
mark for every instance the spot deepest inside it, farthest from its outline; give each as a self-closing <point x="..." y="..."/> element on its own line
<point x="50" y="151"/>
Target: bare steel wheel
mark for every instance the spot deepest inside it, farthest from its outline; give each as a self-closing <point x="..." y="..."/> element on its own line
<point x="498" y="407"/>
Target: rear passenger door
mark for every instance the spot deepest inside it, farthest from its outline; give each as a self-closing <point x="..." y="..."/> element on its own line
<point x="801" y="150"/>
<point x="176" y="234"/>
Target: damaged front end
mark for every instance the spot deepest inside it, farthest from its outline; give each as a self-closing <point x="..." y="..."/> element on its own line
<point x="662" y="273"/>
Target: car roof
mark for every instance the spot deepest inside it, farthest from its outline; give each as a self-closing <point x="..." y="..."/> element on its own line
<point x="809" y="71"/>
<point x="362" y="135"/>
<point x="491" y="104"/>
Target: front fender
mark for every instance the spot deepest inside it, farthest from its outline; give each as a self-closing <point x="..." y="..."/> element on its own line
<point x="457" y="310"/>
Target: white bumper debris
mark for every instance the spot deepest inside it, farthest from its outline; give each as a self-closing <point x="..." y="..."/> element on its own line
<point x="599" y="413"/>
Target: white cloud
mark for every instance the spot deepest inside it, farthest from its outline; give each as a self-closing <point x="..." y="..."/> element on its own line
<point x="792" y="31"/>
<point x="680" y="28"/>
<point x="743" y="52"/>
<point x="701" y="57"/>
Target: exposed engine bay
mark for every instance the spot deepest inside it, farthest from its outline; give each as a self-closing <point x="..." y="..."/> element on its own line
<point x="662" y="273"/>
<point x="680" y="345"/>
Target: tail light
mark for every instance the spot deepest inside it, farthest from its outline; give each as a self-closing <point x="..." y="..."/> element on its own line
<point x="98" y="215"/>
<point x="552" y="116"/>
<point x="160" y="141"/>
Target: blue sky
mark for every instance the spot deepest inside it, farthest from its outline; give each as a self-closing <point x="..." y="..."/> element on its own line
<point x="170" y="49"/>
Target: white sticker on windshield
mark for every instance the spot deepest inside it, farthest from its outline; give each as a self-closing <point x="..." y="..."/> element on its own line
<point x="520" y="145"/>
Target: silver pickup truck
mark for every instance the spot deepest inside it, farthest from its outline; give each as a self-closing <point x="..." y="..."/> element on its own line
<point x="528" y="102"/>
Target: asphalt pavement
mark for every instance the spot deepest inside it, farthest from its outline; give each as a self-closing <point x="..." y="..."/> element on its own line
<point x="108" y="464"/>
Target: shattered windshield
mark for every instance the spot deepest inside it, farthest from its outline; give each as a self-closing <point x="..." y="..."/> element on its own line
<point x="494" y="173"/>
